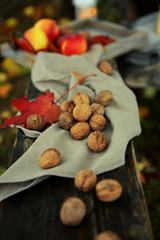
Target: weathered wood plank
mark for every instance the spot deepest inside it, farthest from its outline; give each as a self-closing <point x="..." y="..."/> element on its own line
<point x="37" y="209"/>
<point x="34" y="213"/>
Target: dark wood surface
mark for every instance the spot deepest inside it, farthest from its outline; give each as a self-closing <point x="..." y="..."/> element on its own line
<point x="33" y="214"/>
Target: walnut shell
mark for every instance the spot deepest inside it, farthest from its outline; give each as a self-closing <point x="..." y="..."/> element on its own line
<point x="108" y="190"/>
<point x="97" y="122"/>
<point x="81" y="98"/>
<point x="67" y="106"/>
<point x="72" y="211"/>
<point x="66" y="120"/>
<point x="82" y="112"/>
<point x="104" y="98"/>
<point x="97" y="141"/>
<point x="35" y="122"/>
<point x="50" y="158"/>
<point x="105" y="67"/>
<point x="107" y="235"/>
<point x="97" y="108"/>
<point x="85" y="180"/>
<point x="80" y="130"/>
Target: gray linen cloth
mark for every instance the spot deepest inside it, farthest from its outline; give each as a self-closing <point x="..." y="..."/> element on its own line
<point x="53" y="72"/>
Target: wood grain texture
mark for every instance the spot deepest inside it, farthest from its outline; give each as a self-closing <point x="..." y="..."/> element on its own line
<point x="33" y="214"/>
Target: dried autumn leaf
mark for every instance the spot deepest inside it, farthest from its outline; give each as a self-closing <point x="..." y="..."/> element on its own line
<point x="42" y="105"/>
<point x="100" y="39"/>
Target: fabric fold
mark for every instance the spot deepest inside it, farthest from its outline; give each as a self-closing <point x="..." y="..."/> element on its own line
<point x="54" y="72"/>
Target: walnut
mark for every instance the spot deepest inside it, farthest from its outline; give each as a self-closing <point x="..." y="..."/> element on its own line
<point x="67" y="106"/>
<point x="50" y="158"/>
<point x="107" y="235"/>
<point x="35" y="122"/>
<point x="85" y="180"/>
<point x="97" y="122"/>
<point x="97" y="141"/>
<point x="108" y="190"/>
<point x="72" y="211"/>
<point x="80" y="130"/>
<point x="78" y="75"/>
<point x="105" y="67"/>
<point x="97" y="108"/>
<point x="82" y="112"/>
<point x="66" y="120"/>
<point x="81" y="98"/>
<point x="104" y="98"/>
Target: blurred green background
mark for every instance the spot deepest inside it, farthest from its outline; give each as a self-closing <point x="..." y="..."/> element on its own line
<point x="21" y="15"/>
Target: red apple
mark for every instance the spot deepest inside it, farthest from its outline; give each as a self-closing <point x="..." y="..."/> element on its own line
<point x="49" y="26"/>
<point x="36" y="38"/>
<point x="73" y="43"/>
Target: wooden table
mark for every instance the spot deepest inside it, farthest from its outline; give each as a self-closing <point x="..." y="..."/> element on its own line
<point x="34" y="213"/>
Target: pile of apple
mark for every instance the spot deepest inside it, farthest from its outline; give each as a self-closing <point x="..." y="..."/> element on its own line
<point x="46" y="35"/>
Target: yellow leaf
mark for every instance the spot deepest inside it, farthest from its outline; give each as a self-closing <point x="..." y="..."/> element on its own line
<point x="144" y="163"/>
<point x="3" y="77"/>
<point x="5" y="89"/>
<point x="11" y="22"/>
<point x="29" y="11"/>
<point x="5" y="114"/>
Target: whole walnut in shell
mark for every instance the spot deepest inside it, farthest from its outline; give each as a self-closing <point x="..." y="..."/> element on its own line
<point x="97" y="108"/>
<point x="105" y="67"/>
<point x="50" y="158"/>
<point x="104" y="98"/>
<point x="85" y="180"/>
<point x="67" y="106"/>
<point x="97" y="141"/>
<point x="81" y="98"/>
<point x="80" y="130"/>
<point x="35" y="122"/>
<point x="97" y="122"/>
<point x="66" y="120"/>
<point x="72" y="211"/>
<point x="82" y="112"/>
<point x="107" y="235"/>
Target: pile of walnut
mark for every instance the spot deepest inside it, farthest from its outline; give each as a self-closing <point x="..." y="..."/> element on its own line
<point x="73" y="209"/>
<point x="81" y="117"/>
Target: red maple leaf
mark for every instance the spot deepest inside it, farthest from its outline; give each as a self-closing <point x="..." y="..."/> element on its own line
<point x="42" y="105"/>
<point x="101" y="39"/>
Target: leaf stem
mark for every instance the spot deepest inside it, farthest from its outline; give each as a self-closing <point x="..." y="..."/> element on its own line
<point x="80" y="81"/>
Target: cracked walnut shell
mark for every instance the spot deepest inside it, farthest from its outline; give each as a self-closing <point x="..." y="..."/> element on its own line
<point x="104" y="98"/>
<point x="82" y="112"/>
<point x="97" y="122"/>
<point x="97" y="141"/>
<point x="50" y="158"/>
<point x="80" y="130"/>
